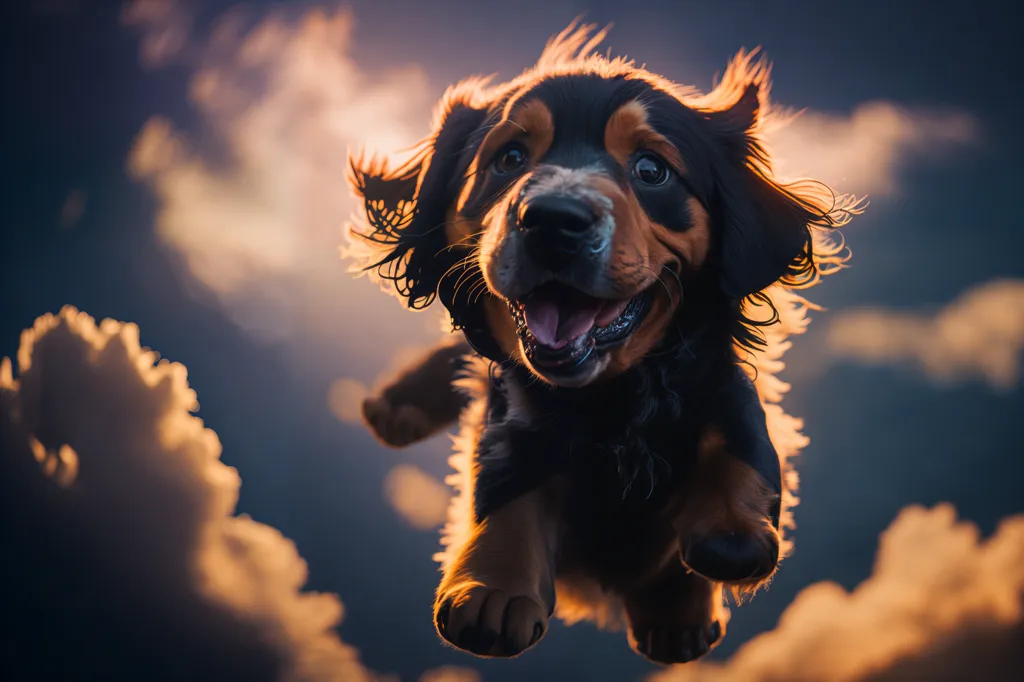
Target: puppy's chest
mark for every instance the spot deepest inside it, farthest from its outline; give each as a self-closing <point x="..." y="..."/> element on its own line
<point x="618" y="464"/>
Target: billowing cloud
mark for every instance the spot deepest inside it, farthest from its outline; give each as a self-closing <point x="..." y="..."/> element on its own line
<point x="941" y="605"/>
<point x="259" y="213"/>
<point x="419" y="498"/>
<point x="122" y="556"/>
<point x="864" y="152"/>
<point x="979" y="335"/>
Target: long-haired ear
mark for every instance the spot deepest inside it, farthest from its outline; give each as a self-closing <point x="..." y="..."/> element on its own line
<point x="765" y="226"/>
<point x="406" y="207"/>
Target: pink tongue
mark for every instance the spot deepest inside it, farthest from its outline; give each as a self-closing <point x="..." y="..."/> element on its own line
<point x="554" y="324"/>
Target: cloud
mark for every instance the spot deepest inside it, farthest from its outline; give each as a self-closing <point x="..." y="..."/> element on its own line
<point x="164" y="27"/>
<point x="121" y="550"/>
<point x="863" y="153"/>
<point x="72" y="209"/>
<point x="450" y="674"/>
<point x="258" y="209"/>
<point x="419" y="498"/>
<point x="940" y="605"/>
<point x="979" y="335"/>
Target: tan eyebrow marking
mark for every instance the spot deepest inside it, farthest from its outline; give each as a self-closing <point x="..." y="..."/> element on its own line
<point x="531" y="123"/>
<point x="628" y="131"/>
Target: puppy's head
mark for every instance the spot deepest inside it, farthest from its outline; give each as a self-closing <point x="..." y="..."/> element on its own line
<point x="562" y="217"/>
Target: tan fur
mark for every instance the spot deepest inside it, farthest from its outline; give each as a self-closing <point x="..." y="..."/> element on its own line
<point x="502" y="580"/>
<point x="579" y="597"/>
<point x="502" y="326"/>
<point x="641" y="253"/>
<point x="693" y="244"/>
<point x="458" y="230"/>
<point x="628" y="132"/>
<point x="725" y="495"/>
<point x="531" y="124"/>
<point x="647" y="335"/>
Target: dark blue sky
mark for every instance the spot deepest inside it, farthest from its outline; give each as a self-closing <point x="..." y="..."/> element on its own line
<point x="881" y="438"/>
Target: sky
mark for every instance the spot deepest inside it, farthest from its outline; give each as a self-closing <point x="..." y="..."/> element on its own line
<point x="179" y="167"/>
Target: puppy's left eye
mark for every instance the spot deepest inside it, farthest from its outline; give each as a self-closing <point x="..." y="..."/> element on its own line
<point x="510" y="159"/>
<point x="650" y="170"/>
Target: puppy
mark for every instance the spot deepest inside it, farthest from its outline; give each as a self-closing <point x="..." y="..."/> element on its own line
<point x="600" y="235"/>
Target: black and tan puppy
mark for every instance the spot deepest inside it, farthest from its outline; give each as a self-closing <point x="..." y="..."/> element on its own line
<point x="598" y="234"/>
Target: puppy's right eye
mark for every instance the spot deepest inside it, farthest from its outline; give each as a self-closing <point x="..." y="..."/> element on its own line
<point x="650" y="170"/>
<point x="510" y="159"/>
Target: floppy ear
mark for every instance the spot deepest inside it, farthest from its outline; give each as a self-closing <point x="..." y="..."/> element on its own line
<point x="406" y="208"/>
<point x="765" y="227"/>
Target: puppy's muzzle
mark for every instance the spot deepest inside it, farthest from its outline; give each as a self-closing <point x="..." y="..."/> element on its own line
<point x="556" y="228"/>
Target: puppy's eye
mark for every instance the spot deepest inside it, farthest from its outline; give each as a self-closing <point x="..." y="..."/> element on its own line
<point x="510" y="159"/>
<point x="650" y="170"/>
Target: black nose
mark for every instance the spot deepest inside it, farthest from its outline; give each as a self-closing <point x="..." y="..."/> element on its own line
<point x="555" y="226"/>
<point x="556" y="213"/>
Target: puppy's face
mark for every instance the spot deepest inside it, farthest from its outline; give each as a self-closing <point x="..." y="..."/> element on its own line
<point x="587" y="226"/>
<point x="561" y="218"/>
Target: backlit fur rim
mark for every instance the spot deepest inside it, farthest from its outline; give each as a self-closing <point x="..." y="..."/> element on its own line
<point x="385" y="249"/>
<point x="571" y="52"/>
<point x="378" y="243"/>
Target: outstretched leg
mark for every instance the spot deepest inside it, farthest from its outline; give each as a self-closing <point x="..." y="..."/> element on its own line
<point x="497" y="595"/>
<point x="675" y="618"/>
<point x="421" y="400"/>
<point x="728" y="523"/>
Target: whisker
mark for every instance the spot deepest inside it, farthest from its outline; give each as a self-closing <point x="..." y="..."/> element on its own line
<point x="480" y="290"/>
<point x="658" y="279"/>
<point x="460" y="242"/>
<point x="676" y="276"/>
<point x="466" y="279"/>
<point x="459" y="263"/>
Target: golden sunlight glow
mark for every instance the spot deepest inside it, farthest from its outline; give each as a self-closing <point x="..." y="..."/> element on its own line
<point x="287" y="102"/>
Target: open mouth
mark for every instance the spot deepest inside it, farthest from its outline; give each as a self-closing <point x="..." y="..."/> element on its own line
<point x="560" y="327"/>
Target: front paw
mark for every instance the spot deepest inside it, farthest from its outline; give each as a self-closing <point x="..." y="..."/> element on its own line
<point x="396" y="425"/>
<point x="489" y="622"/>
<point x="732" y="556"/>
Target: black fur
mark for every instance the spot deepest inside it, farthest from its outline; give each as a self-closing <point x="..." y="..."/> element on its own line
<point x="409" y="224"/>
<point x="629" y="443"/>
<point x="634" y="435"/>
